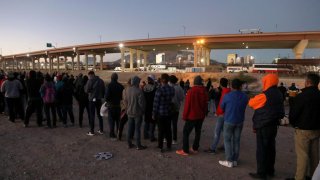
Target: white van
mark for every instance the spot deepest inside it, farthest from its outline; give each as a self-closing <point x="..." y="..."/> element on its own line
<point x="235" y="69"/>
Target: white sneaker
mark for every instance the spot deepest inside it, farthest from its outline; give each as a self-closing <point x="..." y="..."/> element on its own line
<point x="100" y="132"/>
<point x="174" y="142"/>
<point x="235" y="163"/>
<point x="164" y="140"/>
<point x="226" y="164"/>
<point x="90" y="134"/>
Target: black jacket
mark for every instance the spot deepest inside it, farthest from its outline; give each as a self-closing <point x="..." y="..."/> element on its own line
<point x="272" y="111"/>
<point x="114" y="94"/>
<point x="33" y="86"/>
<point x="305" y="110"/>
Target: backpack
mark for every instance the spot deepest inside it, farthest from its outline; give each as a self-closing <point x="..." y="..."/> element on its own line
<point x="49" y="94"/>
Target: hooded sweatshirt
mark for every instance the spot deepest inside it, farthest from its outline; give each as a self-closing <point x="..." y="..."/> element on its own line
<point x="11" y="87"/>
<point x="134" y="99"/>
<point x="268" y="105"/>
<point x="196" y="104"/>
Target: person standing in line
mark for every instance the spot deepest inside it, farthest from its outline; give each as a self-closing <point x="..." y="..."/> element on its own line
<point x="96" y="89"/>
<point x="161" y="111"/>
<point x="283" y="91"/>
<point x="113" y="99"/>
<point x="135" y="103"/>
<point x="48" y="94"/>
<point x="67" y="92"/>
<point x="220" y="120"/>
<point x="33" y="85"/>
<point x="176" y="103"/>
<point x="304" y="116"/>
<point x="194" y="112"/>
<point x="59" y="99"/>
<point x="234" y="105"/>
<point x="149" y="92"/>
<point x="82" y="98"/>
<point x="11" y="89"/>
<point x="123" y="116"/>
<point x="269" y="109"/>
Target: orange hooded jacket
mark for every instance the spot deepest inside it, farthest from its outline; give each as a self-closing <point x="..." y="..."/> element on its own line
<point x="259" y="100"/>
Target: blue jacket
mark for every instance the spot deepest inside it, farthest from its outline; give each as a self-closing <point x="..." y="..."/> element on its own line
<point x="234" y="105"/>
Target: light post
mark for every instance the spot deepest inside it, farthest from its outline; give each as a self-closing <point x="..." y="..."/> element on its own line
<point x="179" y="62"/>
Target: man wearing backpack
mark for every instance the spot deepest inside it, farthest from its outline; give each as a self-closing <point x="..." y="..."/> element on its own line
<point x="47" y="92"/>
<point x="96" y="90"/>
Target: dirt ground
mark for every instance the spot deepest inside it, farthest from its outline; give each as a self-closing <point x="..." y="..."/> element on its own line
<point x="68" y="153"/>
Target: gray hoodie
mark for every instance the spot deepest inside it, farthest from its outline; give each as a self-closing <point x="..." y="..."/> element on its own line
<point x="134" y="99"/>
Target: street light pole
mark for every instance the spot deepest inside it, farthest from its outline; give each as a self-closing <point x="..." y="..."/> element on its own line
<point x="184" y="30"/>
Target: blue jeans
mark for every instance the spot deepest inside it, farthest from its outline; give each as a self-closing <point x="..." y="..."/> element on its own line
<point x="217" y="132"/>
<point x="231" y="135"/>
<point x="134" y="124"/>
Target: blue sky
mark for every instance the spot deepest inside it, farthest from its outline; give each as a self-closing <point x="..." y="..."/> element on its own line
<point x="29" y="24"/>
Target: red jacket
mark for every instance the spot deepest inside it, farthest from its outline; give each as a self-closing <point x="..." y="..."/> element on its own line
<point x="196" y="104"/>
<point x="224" y="92"/>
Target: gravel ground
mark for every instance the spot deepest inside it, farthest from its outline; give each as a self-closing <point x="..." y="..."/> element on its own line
<point x="68" y="153"/>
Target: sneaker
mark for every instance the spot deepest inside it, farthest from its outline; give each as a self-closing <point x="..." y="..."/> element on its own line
<point x="174" y="142"/>
<point x="235" y="163"/>
<point x="90" y="134"/>
<point x="192" y="151"/>
<point x="25" y="125"/>
<point x="131" y="146"/>
<point x="210" y="151"/>
<point x="181" y="152"/>
<point x="226" y="164"/>
<point x="100" y="132"/>
<point x="164" y="140"/>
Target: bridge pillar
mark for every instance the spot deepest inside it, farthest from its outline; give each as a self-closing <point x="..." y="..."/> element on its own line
<point x="33" y="63"/>
<point x="123" y="63"/>
<point x="65" y="62"/>
<point x="138" y="58"/>
<point x="58" y="62"/>
<point x="50" y="64"/>
<point x="145" y="55"/>
<point x="78" y="60"/>
<point x="101" y="61"/>
<point x="208" y="51"/>
<point x="131" y="59"/>
<point x="72" y="62"/>
<point x="299" y="48"/>
<point x="195" y="56"/>
<point x="45" y="63"/>
<point x="39" y="64"/>
<point x="86" y="60"/>
<point x="94" y="61"/>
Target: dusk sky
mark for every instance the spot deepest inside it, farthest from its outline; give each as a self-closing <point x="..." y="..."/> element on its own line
<point x="27" y="25"/>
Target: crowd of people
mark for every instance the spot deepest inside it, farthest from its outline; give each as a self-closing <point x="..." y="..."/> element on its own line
<point x="157" y="103"/>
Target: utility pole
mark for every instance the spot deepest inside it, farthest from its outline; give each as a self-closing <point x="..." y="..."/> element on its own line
<point x="100" y="37"/>
<point x="184" y="30"/>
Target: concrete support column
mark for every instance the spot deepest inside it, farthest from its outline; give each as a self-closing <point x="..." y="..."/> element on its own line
<point x="65" y="62"/>
<point x="78" y="60"/>
<point x="39" y="64"/>
<point x="208" y="51"/>
<point x="94" y="61"/>
<point x="45" y="63"/>
<point x="58" y="62"/>
<point x="50" y="64"/>
<point x="72" y="63"/>
<point x="86" y="60"/>
<point x="145" y="56"/>
<point x="195" y="54"/>
<point x="138" y="59"/>
<point x="299" y="48"/>
<point x="131" y="59"/>
<point x="33" y="63"/>
<point x="123" y="63"/>
<point x="101" y="62"/>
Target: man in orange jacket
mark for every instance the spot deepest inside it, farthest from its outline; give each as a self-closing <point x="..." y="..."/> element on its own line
<point x="195" y="109"/>
<point x="269" y="109"/>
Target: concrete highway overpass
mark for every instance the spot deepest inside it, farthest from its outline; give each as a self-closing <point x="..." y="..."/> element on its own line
<point x="201" y="45"/>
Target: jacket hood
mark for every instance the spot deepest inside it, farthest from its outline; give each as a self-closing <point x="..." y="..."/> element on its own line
<point x="269" y="80"/>
<point x="149" y="88"/>
<point x="135" y="81"/>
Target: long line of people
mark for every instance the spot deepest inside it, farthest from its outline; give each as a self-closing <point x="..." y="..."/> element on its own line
<point x="157" y="103"/>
